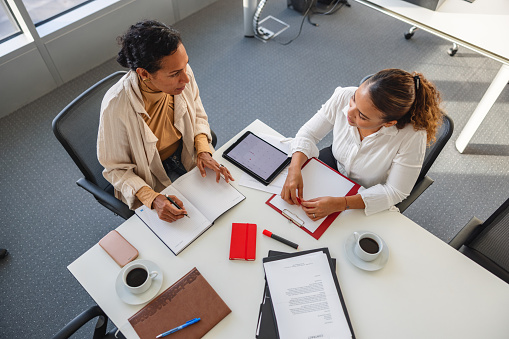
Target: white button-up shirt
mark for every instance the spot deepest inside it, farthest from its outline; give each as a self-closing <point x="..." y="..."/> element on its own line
<point x="386" y="163"/>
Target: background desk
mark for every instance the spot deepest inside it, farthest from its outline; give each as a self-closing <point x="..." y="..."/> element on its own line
<point x="481" y="26"/>
<point x="426" y="290"/>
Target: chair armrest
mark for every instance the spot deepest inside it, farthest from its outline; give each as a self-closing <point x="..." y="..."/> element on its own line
<point x="465" y="233"/>
<point x="418" y="189"/>
<point x="75" y="324"/>
<point x="214" y="138"/>
<point x="106" y="199"/>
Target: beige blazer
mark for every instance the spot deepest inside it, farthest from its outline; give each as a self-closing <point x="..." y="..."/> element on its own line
<point x="126" y="147"/>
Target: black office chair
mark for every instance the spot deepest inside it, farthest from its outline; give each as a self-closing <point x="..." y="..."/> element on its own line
<point x="76" y="128"/>
<point x="432" y="152"/>
<point x="423" y="181"/>
<point x="100" y="330"/>
<point x="486" y="242"/>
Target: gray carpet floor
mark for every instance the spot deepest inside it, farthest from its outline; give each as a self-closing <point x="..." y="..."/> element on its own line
<point x="47" y="221"/>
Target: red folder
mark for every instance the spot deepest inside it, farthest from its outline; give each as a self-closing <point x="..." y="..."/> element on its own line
<point x="243" y="242"/>
<point x="330" y="218"/>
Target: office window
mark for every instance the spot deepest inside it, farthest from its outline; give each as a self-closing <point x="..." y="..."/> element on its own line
<point x="8" y="25"/>
<point x="42" y="11"/>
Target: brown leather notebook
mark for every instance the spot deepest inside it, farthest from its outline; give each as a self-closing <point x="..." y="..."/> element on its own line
<point x="190" y="297"/>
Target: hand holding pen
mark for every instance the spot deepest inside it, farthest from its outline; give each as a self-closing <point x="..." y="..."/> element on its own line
<point x="166" y="209"/>
<point x="177" y="205"/>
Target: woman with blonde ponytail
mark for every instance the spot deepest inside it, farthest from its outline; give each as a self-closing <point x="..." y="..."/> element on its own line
<point x="380" y="133"/>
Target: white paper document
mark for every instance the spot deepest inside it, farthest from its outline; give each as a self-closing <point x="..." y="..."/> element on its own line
<point x="274" y="187"/>
<point x="204" y="199"/>
<point x="305" y="299"/>
<point x="319" y="181"/>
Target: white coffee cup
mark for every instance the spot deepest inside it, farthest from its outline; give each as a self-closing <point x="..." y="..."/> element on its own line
<point x="368" y="245"/>
<point x="137" y="278"/>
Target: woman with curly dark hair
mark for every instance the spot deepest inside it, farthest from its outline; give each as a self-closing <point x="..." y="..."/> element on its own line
<point x="380" y="132"/>
<point x="153" y="126"/>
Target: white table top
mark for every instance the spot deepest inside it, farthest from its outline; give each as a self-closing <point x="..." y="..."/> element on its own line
<point x="426" y="290"/>
<point x="481" y="25"/>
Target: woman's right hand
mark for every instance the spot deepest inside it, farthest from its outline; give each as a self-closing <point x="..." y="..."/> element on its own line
<point x="293" y="187"/>
<point x="165" y="209"/>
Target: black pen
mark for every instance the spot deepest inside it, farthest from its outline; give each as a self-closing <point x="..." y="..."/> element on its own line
<point x="175" y="204"/>
<point x="278" y="238"/>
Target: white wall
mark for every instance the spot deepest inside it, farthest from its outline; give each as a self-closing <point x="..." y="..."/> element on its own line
<point x="38" y="68"/>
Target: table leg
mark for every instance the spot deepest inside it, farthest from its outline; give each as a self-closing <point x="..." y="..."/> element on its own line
<point x="487" y="101"/>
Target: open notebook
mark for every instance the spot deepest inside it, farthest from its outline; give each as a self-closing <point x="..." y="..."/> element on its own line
<point x="204" y="199"/>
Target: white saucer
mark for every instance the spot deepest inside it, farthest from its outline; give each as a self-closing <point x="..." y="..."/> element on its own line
<point x="137" y="299"/>
<point x="374" y="265"/>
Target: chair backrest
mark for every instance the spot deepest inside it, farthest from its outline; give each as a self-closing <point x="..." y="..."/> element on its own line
<point x="443" y="135"/>
<point x="490" y="241"/>
<point x="76" y="128"/>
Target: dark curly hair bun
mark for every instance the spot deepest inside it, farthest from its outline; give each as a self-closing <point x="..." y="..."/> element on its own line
<point x="146" y="43"/>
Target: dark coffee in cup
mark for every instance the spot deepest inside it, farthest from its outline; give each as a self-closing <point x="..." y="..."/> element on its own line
<point x="369" y="245"/>
<point x="136" y="277"/>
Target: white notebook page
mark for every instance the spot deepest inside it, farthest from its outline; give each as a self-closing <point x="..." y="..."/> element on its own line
<point x="210" y="197"/>
<point x="178" y="234"/>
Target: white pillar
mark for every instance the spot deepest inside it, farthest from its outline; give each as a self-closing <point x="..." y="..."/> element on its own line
<point x="249" y="11"/>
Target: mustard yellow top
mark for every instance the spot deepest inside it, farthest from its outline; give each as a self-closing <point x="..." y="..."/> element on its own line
<point x="159" y="106"/>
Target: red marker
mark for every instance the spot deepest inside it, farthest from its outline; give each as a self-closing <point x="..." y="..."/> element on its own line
<point x="278" y="238"/>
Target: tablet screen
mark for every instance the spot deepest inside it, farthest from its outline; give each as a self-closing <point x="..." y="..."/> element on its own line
<point x="257" y="157"/>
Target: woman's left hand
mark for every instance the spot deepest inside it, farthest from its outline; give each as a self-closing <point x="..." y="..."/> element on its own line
<point x="319" y="208"/>
<point x="205" y="160"/>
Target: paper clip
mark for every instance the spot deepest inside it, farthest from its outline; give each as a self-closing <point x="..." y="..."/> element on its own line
<point x="293" y="218"/>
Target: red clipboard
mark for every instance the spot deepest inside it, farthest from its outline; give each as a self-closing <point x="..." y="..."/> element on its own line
<point x="328" y="220"/>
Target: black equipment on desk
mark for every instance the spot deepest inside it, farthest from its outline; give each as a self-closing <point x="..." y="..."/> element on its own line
<point x="302" y="6"/>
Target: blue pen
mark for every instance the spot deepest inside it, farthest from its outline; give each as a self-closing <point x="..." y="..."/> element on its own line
<point x="190" y="322"/>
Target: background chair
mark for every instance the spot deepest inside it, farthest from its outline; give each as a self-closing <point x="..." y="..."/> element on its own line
<point x="451" y="51"/>
<point x="423" y="181"/>
<point x="486" y="242"/>
<point x="100" y="330"/>
<point x="76" y="128"/>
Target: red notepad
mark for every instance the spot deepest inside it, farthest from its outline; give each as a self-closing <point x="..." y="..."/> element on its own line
<point x="322" y="170"/>
<point x="243" y="242"/>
